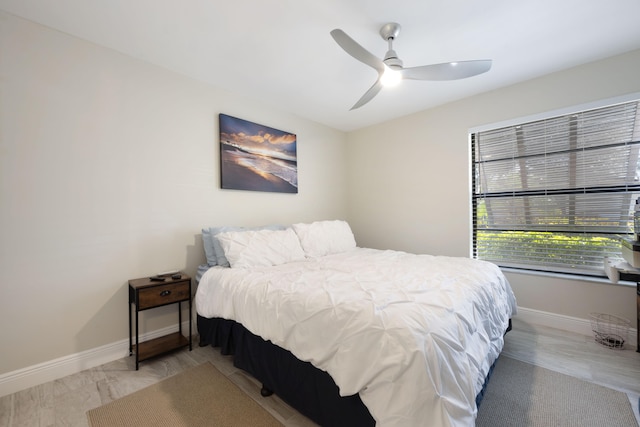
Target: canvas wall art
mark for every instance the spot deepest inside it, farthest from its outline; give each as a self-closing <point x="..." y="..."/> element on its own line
<point x="257" y="158"/>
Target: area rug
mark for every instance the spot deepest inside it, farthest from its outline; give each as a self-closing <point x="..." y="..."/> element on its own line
<point x="199" y="396"/>
<point x="521" y="394"/>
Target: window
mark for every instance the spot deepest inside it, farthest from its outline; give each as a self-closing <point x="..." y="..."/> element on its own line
<point x="557" y="194"/>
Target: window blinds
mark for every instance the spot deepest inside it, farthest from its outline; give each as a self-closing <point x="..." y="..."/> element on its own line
<point x="557" y="194"/>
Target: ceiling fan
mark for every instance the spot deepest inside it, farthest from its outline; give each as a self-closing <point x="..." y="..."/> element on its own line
<point x="390" y="69"/>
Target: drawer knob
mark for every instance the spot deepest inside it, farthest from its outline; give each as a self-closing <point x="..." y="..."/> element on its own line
<point x="165" y="293"/>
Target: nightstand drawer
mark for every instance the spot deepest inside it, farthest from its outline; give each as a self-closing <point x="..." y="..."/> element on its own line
<point x="155" y="296"/>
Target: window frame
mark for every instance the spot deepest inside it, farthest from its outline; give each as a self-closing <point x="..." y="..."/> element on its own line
<point x="577" y="109"/>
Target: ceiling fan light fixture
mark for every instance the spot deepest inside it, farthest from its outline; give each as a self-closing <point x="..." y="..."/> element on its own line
<point x="390" y="69"/>
<point x="391" y="77"/>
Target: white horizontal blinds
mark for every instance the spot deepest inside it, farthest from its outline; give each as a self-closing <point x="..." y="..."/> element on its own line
<point x="557" y="194"/>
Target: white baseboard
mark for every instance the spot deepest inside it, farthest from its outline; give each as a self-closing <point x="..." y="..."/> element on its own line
<point x="48" y="371"/>
<point x="567" y="323"/>
<point x="30" y="376"/>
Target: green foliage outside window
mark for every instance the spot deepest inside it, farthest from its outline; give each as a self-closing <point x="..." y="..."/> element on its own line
<point x="547" y="248"/>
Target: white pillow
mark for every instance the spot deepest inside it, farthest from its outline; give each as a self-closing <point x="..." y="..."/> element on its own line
<point x="322" y="238"/>
<point x="260" y="248"/>
<point x="214" y="252"/>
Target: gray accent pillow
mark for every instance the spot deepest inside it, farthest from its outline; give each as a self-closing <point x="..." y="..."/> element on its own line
<point x="209" y="250"/>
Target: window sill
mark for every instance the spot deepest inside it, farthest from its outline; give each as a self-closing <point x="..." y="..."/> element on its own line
<point x="592" y="279"/>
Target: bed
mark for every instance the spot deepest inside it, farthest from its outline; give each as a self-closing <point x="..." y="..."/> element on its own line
<point x="350" y="335"/>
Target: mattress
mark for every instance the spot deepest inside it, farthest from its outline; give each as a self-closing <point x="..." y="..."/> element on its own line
<point x="413" y="335"/>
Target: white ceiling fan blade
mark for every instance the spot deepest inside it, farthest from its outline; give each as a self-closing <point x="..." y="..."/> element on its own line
<point x="368" y="95"/>
<point x="354" y="49"/>
<point x="447" y="70"/>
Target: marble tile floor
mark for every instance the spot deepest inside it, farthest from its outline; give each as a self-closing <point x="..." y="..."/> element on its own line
<point x="578" y="356"/>
<point x="64" y="402"/>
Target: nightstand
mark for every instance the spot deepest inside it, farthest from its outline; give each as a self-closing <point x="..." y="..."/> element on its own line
<point x="634" y="277"/>
<point x="146" y="294"/>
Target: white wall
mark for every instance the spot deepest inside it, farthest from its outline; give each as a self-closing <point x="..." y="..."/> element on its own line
<point x="109" y="169"/>
<point x="409" y="179"/>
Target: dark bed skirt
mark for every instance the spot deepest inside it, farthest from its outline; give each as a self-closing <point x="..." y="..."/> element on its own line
<point x="308" y="389"/>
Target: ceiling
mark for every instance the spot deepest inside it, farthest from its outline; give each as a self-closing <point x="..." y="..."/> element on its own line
<point x="280" y="51"/>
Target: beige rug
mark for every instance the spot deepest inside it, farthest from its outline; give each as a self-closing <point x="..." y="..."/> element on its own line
<point x="199" y="396"/>
<point x="521" y="394"/>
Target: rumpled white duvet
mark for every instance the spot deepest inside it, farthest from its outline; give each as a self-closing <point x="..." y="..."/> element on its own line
<point x="414" y="335"/>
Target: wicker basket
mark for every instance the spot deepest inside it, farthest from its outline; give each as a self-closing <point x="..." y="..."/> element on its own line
<point x="609" y="330"/>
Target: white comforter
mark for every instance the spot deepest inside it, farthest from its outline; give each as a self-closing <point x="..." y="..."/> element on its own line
<point x="414" y="335"/>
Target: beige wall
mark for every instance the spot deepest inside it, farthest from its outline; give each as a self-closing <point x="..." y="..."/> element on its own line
<point x="409" y="180"/>
<point x="108" y="171"/>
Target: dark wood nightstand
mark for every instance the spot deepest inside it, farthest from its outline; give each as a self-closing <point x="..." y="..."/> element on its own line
<point x="634" y="277"/>
<point x="145" y="294"/>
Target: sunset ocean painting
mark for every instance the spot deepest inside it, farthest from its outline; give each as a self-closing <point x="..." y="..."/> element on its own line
<point x="256" y="157"/>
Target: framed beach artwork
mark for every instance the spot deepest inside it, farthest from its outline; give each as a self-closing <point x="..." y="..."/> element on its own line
<point x="257" y="158"/>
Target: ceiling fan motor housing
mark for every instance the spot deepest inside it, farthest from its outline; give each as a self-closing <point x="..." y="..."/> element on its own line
<point x="391" y="60"/>
<point x="389" y="32"/>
